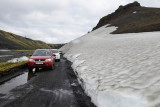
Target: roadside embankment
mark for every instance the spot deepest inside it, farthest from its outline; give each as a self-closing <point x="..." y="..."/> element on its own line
<point x="13" y="61"/>
<point x="7" y="68"/>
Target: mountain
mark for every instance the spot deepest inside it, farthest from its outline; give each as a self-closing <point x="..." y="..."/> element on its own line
<point x="56" y="46"/>
<point x="132" y="18"/>
<point x="12" y="41"/>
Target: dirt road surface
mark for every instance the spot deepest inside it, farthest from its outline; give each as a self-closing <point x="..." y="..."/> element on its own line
<point x="45" y="88"/>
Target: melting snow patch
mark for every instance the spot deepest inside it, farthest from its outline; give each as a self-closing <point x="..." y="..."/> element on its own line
<point x="73" y="84"/>
<point x="135" y="12"/>
<point x="57" y="91"/>
<point x="15" y="60"/>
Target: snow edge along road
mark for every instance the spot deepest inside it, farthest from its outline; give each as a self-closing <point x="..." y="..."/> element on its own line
<point x="113" y="69"/>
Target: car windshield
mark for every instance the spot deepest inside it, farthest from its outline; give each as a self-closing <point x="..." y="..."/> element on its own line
<point x="42" y="53"/>
<point x="54" y="51"/>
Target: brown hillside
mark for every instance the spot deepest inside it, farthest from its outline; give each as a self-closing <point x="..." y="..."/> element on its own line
<point x="133" y="18"/>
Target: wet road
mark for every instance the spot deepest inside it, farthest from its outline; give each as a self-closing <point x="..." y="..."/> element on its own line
<point x="45" y="88"/>
<point x="6" y="55"/>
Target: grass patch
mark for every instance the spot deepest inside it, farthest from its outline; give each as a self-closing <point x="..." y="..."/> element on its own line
<point x="4" y="66"/>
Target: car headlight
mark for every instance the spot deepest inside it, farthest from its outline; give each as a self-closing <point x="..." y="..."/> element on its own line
<point x="48" y="60"/>
<point x="31" y="60"/>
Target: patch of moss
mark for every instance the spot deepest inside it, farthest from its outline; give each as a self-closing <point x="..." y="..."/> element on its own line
<point x="4" y="66"/>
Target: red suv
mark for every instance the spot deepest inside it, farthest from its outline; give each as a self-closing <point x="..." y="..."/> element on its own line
<point x="41" y="58"/>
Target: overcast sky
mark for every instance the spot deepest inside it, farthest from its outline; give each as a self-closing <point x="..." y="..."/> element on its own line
<point x="57" y="21"/>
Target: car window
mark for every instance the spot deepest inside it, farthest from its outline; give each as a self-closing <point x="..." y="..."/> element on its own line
<point x="42" y="53"/>
<point x="54" y="51"/>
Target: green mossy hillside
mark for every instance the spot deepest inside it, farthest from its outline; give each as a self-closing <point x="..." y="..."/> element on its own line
<point x="12" y="41"/>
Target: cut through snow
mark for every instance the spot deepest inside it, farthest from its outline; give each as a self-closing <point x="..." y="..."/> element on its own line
<point x="120" y="70"/>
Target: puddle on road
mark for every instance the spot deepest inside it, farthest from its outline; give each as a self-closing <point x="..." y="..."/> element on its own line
<point x="2" y="54"/>
<point x="4" y="50"/>
<point x="30" y="75"/>
<point x="5" y="55"/>
<point x="17" y="81"/>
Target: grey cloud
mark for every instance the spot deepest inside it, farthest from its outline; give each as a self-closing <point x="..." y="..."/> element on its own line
<point x="56" y="21"/>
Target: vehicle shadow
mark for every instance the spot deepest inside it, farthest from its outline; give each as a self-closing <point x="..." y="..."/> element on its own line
<point x="34" y="72"/>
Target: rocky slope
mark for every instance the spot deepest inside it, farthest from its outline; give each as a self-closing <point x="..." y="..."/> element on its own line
<point x="133" y="18"/>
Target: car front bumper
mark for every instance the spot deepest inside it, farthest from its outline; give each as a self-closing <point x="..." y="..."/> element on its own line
<point x="39" y="64"/>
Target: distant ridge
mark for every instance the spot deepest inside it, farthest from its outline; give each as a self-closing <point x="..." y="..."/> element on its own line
<point x="133" y="18"/>
<point x="13" y="41"/>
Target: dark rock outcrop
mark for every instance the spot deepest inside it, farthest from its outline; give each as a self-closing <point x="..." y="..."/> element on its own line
<point x="133" y="18"/>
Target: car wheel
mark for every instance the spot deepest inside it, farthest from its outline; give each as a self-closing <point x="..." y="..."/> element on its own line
<point x="51" y="68"/>
<point x="58" y="60"/>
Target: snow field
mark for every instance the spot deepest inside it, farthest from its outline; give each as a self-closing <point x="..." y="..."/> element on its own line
<point x="121" y="70"/>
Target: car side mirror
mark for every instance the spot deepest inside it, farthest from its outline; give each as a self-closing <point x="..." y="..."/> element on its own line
<point x="54" y="55"/>
<point x="30" y="54"/>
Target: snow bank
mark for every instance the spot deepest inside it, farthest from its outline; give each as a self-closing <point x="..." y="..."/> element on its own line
<point x="121" y="70"/>
<point x="15" y="60"/>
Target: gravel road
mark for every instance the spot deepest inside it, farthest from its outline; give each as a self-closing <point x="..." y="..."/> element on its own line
<point x="46" y="88"/>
